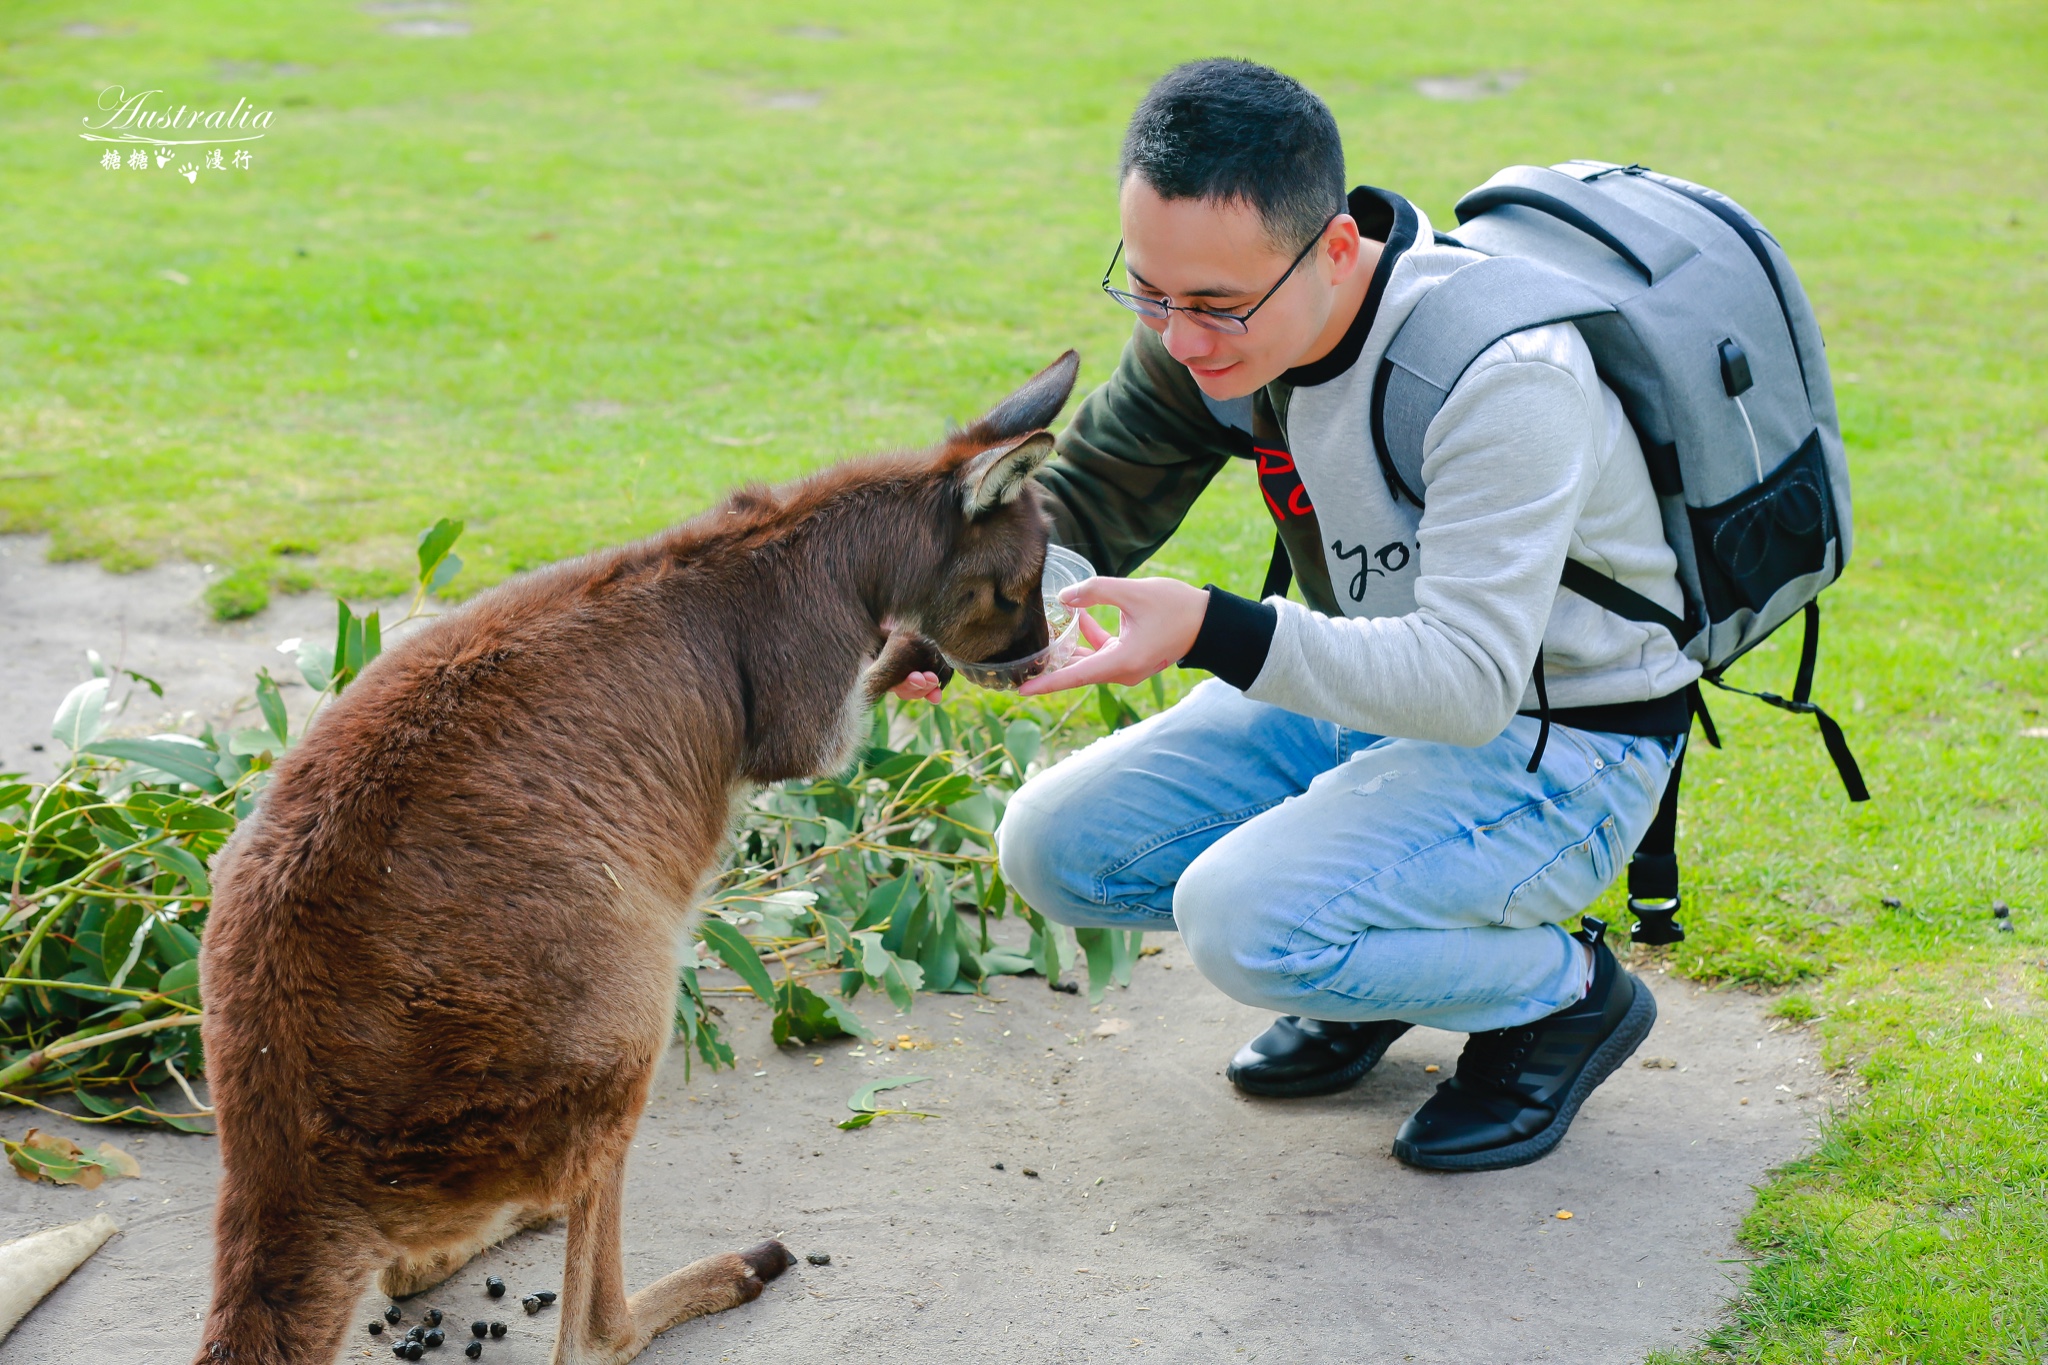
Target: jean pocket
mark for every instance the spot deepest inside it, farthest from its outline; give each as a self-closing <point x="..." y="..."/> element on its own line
<point x="1569" y="882"/>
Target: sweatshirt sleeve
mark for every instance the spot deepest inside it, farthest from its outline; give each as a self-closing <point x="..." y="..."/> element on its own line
<point x="1132" y="462"/>
<point x="1508" y="464"/>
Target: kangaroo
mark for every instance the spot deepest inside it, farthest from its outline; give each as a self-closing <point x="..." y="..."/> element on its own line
<point x="440" y="970"/>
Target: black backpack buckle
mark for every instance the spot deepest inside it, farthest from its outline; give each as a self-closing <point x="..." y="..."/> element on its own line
<point x="1656" y="921"/>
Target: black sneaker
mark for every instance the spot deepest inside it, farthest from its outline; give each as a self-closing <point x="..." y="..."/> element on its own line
<point x="1517" y="1090"/>
<point x="1299" y="1057"/>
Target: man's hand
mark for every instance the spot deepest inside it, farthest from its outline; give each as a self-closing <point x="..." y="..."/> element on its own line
<point x="919" y="686"/>
<point x="1161" y="617"/>
<point x="909" y="667"/>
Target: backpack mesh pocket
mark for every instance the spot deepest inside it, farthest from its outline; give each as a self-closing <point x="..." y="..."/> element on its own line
<point x="1766" y="536"/>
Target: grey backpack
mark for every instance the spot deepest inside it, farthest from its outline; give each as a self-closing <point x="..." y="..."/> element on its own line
<point x="1698" y="324"/>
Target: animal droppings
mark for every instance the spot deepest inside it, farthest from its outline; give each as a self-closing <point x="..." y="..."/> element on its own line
<point x="1033" y="1174"/>
<point x="1893" y="903"/>
<point x="413" y="1350"/>
<point x="415" y="1333"/>
<point x="435" y="1336"/>
<point x="432" y="1317"/>
<point x="497" y="1330"/>
<point x="473" y="1350"/>
<point x="479" y="1329"/>
<point x="819" y="1258"/>
<point x="494" y="1286"/>
<point x="997" y="1167"/>
<point x="546" y="1296"/>
<point x="376" y="1328"/>
<point x="392" y="1315"/>
<point x="2000" y="910"/>
<point x="531" y="1303"/>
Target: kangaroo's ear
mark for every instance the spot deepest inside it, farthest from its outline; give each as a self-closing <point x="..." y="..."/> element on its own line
<point x="1029" y="408"/>
<point x="997" y="476"/>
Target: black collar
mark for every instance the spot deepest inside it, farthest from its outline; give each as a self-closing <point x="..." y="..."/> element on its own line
<point x="1385" y="217"/>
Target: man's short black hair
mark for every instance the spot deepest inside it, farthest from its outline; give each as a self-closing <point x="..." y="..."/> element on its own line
<point x="1228" y="130"/>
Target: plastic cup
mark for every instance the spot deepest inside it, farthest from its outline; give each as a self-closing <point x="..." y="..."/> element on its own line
<point x="1063" y="569"/>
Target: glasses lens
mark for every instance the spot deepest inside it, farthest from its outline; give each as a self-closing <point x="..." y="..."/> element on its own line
<point x="1137" y="303"/>
<point x="1217" y="322"/>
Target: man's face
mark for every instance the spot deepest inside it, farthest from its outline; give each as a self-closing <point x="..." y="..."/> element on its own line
<point x="1219" y="256"/>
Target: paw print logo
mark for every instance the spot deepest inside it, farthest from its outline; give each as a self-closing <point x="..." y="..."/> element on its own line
<point x="163" y="157"/>
<point x="190" y="172"/>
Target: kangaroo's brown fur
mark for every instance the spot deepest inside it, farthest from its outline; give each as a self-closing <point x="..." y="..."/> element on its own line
<point x="441" y="964"/>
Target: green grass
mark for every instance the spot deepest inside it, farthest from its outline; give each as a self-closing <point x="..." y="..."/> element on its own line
<point x="570" y="276"/>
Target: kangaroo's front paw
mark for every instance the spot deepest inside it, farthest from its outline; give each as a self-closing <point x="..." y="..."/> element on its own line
<point x="906" y="653"/>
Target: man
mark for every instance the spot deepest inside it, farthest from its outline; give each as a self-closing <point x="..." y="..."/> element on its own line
<point x="1346" y="824"/>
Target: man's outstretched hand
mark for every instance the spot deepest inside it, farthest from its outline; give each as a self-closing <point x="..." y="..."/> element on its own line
<point x="1161" y="617"/>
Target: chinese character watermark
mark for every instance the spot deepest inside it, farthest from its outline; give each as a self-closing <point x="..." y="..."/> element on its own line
<point x="132" y="119"/>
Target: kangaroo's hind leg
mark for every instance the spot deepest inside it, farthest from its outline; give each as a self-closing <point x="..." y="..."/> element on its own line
<point x="600" y="1325"/>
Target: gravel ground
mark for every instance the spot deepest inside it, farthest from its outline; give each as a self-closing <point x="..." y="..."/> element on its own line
<point x="1169" y="1217"/>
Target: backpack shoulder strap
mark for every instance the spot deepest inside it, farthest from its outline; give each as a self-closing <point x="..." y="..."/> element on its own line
<point x="1450" y="328"/>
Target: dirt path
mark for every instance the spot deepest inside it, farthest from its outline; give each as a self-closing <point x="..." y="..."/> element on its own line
<point x="1170" y="1218"/>
<point x="152" y="622"/>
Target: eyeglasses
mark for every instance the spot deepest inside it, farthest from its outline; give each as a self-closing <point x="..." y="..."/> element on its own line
<point x="1237" y="324"/>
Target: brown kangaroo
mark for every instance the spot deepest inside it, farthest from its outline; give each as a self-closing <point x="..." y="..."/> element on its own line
<point x="441" y="966"/>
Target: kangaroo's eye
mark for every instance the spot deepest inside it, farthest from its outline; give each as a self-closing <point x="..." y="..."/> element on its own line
<point x="1004" y="603"/>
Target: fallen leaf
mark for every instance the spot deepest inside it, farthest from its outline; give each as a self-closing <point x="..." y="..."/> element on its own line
<point x="119" y="1162"/>
<point x="1432" y="1068"/>
<point x="1563" y="1215"/>
<point x="1660" y="1063"/>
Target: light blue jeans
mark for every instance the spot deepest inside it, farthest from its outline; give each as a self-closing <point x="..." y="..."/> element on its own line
<point x="1324" y="872"/>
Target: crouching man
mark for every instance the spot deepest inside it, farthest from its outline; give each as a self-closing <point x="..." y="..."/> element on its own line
<point x="1351" y="824"/>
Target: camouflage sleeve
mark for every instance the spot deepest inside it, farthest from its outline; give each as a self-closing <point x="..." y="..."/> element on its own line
<point x="1132" y="462"/>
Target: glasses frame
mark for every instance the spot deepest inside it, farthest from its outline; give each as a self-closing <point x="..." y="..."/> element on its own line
<point x="1215" y="320"/>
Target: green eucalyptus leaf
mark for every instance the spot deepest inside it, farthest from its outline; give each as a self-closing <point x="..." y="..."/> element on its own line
<point x="736" y="952"/>
<point x="882" y="902"/>
<point x="1123" y="954"/>
<point x="249" y="743"/>
<point x="943" y="792"/>
<point x="117" y="940"/>
<point x="808" y="1017"/>
<point x="179" y="757"/>
<point x="895" y="766"/>
<point x="271" y="702"/>
<point x="174" y="943"/>
<point x="181" y="981"/>
<point x="175" y="859"/>
<point x="315" y="663"/>
<point x="978" y="813"/>
<point x="1101" y="957"/>
<point x="433" y="545"/>
<point x="862" y="1101"/>
<point x="939" y="954"/>
<point x="1024" y="739"/>
<point x="443" y="572"/>
<point x="81" y="715"/>
<point x="899" y="978"/>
